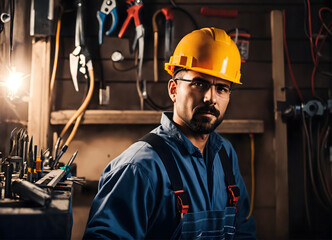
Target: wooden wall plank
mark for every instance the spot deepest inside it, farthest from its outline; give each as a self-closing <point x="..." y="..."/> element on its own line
<point x="149" y="117"/>
<point x="39" y="109"/>
<point x="278" y="74"/>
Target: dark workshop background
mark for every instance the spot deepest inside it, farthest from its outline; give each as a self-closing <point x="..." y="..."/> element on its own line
<point x="254" y="100"/>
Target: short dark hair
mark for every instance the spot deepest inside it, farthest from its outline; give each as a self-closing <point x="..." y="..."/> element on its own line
<point x="177" y="70"/>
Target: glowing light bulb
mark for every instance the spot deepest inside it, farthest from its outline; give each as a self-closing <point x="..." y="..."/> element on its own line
<point x="13" y="83"/>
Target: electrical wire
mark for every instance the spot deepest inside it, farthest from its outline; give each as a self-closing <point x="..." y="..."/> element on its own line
<point x="310" y="33"/>
<point x="56" y="55"/>
<point x="316" y="62"/>
<point x="73" y="132"/>
<point x="123" y="69"/>
<point x="321" y="175"/>
<point x="288" y="58"/>
<point x="305" y="20"/>
<point x="305" y="187"/>
<point x="175" y="6"/>
<point x="314" y="49"/>
<point x="189" y="15"/>
<point x="252" y="156"/>
<point x="321" y="18"/>
<point x="309" y="148"/>
<point x="84" y="105"/>
<point x="324" y="142"/>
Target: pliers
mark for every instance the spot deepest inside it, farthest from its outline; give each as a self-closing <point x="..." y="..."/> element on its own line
<point x="108" y="7"/>
<point x="79" y="59"/>
<point x="133" y="10"/>
<point x="168" y="13"/>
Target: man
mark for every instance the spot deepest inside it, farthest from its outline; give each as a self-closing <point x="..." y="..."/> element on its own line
<point x="139" y="197"/>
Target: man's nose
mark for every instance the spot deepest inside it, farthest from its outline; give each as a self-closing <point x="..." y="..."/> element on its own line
<point x="210" y="95"/>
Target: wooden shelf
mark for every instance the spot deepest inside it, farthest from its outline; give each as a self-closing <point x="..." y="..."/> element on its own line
<point x="149" y="117"/>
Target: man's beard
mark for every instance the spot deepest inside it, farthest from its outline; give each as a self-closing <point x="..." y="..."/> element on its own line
<point x="201" y="124"/>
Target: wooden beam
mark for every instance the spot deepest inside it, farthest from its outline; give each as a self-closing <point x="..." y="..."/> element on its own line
<point x="38" y="117"/>
<point x="149" y="117"/>
<point x="278" y="75"/>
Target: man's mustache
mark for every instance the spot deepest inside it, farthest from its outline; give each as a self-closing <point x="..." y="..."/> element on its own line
<point x="207" y="109"/>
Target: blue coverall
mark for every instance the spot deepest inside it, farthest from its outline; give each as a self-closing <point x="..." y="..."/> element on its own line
<point x="135" y="200"/>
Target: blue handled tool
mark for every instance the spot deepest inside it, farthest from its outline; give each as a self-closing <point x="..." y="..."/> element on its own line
<point x="108" y="7"/>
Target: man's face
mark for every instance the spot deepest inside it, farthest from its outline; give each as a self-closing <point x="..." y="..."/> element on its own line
<point x="200" y="103"/>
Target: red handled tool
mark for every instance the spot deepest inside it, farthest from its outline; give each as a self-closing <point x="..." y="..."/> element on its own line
<point x="134" y="8"/>
<point x="224" y="13"/>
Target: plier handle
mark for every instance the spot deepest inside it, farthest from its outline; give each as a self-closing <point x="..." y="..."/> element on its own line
<point x="79" y="59"/>
<point x="168" y="13"/>
<point x="133" y="10"/>
<point x="108" y="7"/>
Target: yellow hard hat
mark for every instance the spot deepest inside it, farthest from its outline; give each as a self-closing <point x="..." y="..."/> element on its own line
<point x="210" y="51"/>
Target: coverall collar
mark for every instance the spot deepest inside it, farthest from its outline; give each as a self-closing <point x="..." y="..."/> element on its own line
<point x="213" y="144"/>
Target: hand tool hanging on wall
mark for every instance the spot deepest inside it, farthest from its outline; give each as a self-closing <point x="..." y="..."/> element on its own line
<point x="223" y="13"/>
<point x="4" y="18"/>
<point x="168" y="13"/>
<point x="241" y="38"/>
<point x="108" y="7"/>
<point x="80" y="61"/>
<point x="80" y="56"/>
<point x="133" y="10"/>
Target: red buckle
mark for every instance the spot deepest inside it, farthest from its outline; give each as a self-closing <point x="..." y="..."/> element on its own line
<point x="233" y="194"/>
<point x="182" y="207"/>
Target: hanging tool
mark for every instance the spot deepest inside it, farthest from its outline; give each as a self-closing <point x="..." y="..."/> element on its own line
<point x="108" y="7"/>
<point x="168" y="13"/>
<point x="223" y="13"/>
<point x="133" y="10"/>
<point x="4" y="18"/>
<point x="80" y="57"/>
<point x="241" y="38"/>
<point x="80" y="61"/>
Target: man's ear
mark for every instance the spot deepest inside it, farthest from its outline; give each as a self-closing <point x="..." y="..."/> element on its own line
<point x="172" y="89"/>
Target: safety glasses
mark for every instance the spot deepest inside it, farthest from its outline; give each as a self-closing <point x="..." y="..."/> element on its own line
<point x="202" y="85"/>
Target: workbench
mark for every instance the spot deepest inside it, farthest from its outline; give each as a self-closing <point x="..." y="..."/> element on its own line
<point x="26" y="220"/>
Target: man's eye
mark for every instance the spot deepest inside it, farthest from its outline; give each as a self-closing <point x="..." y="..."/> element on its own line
<point x="222" y="89"/>
<point x="200" y="84"/>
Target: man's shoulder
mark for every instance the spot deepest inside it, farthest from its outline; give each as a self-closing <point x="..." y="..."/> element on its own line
<point x="140" y="154"/>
